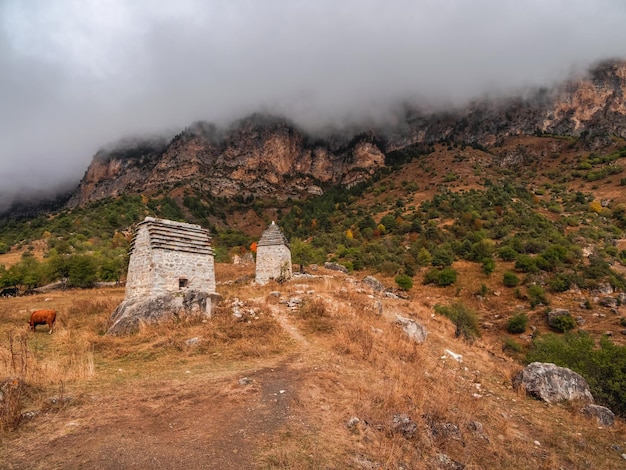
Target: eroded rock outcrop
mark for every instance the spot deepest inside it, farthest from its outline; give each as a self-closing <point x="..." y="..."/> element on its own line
<point x="552" y="384"/>
<point x="133" y="313"/>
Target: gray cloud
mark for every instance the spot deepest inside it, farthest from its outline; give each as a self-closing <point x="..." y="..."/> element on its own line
<point x="77" y="75"/>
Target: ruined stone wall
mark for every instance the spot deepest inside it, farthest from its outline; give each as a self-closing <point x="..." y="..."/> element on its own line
<point x="272" y="262"/>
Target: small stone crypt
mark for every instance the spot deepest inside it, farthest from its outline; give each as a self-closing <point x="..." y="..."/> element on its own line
<point x="273" y="256"/>
<point x="171" y="272"/>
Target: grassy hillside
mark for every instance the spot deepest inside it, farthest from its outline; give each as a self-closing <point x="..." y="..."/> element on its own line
<point x="476" y="243"/>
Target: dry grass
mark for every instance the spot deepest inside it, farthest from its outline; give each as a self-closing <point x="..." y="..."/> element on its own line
<point x="466" y="410"/>
<point x="78" y="355"/>
<point x="354" y="363"/>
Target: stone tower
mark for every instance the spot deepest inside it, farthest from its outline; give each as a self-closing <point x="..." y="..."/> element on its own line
<point x="273" y="256"/>
<point x="169" y="257"/>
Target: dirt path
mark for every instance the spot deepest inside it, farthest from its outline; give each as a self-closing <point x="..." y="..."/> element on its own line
<point x="195" y="425"/>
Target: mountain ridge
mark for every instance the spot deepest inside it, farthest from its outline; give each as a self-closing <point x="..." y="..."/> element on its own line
<point x="268" y="155"/>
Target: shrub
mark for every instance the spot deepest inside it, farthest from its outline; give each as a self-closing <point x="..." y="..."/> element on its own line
<point x="404" y="282"/>
<point x="424" y="257"/>
<point x="488" y="266"/>
<point x="604" y="368"/>
<point x="560" y="282"/>
<point x="442" y="256"/>
<point x="509" y="345"/>
<point x="509" y="279"/>
<point x="431" y="276"/>
<point x="446" y="277"/>
<point x="517" y="323"/>
<point x="563" y="323"/>
<point x="526" y="264"/>
<point x="537" y="295"/>
<point x="507" y="253"/>
<point x="465" y="320"/>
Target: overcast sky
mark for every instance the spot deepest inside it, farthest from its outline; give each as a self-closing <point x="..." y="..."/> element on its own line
<point x="78" y="74"/>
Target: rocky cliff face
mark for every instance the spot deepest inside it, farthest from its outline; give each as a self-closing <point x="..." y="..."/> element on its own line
<point x="259" y="155"/>
<point x="265" y="155"/>
<point x="592" y="105"/>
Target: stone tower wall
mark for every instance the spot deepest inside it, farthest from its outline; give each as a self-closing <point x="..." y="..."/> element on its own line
<point x="141" y="268"/>
<point x="165" y="252"/>
<point x="271" y="262"/>
<point x="171" y="266"/>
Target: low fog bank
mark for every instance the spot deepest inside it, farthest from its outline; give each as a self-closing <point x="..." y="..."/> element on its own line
<point x="79" y="75"/>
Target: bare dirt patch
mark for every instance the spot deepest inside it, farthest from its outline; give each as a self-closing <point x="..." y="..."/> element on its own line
<point x="194" y="424"/>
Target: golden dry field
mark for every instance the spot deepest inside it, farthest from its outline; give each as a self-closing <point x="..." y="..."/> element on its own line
<point x="280" y="388"/>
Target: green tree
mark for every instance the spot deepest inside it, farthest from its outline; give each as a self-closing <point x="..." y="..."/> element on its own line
<point x="82" y="271"/>
<point x="463" y="317"/>
<point x="303" y="253"/>
<point x="111" y="269"/>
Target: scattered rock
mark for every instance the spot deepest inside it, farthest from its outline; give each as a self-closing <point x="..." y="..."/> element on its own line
<point x="192" y="341"/>
<point x="555" y="315"/>
<point x="403" y="424"/>
<point x="391" y="295"/>
<point x="445" y="430"/>
<point x="59" y="401"/>
<point x="453" y="355"/>
<point x="336" y="267"/>
<point x="580" y="320"/>
<point x="236" y="306"/>
<point x="414" y="330"/>
<point x="444" y="462"/>
<point x="352" y="423"/>
<point x="603" y="415"/>
<point x="552" y="384"/>
<point x="28" y="415"/>
<point x="373" y="284"/>
<point x="605" y="289"/>
<point x="477" y="428"/>
<point x="609" y="302"/>
<point x="245" y="381"/>
<point x="294" y="303"/>
<point x="378" y="307"/>
<point x="275" y="293"/>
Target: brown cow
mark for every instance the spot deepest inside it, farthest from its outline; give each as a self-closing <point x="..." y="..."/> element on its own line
<point x="43" y="317"/>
